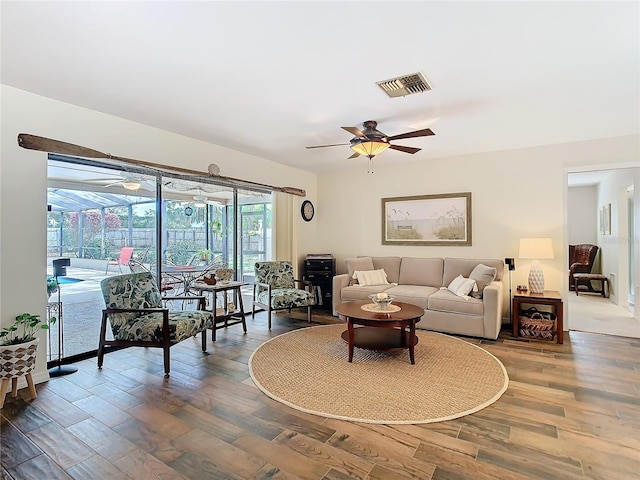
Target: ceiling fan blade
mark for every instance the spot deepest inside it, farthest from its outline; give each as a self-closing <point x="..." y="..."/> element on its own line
<point x="109" y="179"/>
<point x="148" y="185"/>
<point x="418" y="133"/>
<point x="355" y="131"/>
<point x="34" y="142"/>
<point x="112" y="184"/>
<point x="333" y="145"/>
<point x="404" y="149"/>
<point x="355" y="155"/>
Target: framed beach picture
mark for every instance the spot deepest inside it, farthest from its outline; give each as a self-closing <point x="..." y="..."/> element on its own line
<point x="442" y="219"/>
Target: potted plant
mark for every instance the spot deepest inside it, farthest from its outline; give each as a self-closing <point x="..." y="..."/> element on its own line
<point x="52" y="285"/>
<point x="18" y="344"/>
<point x="204" y="254"/>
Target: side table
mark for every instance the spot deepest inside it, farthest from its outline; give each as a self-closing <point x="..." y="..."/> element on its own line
<point x="226" y="316"/>
<point x="548" y="297"/>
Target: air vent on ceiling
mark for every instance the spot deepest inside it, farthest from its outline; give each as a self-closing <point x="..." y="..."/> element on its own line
<point x="406" y="85"/>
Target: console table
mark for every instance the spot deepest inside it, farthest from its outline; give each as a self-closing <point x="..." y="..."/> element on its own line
<point x="548" y="297"/>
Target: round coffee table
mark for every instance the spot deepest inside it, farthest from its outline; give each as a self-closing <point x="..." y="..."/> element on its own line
<point x="374" y="332"/>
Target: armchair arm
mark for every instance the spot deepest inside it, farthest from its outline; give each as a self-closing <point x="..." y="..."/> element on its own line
<point x="579" y="268"/>
<point x="202" y="300"/>
<point x="164" y="311"/>
<point x="260" y="284"/>
<point x="134" y="310"/>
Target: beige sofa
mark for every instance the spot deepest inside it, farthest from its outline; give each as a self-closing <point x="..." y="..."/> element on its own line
<point x="423" y="282"/>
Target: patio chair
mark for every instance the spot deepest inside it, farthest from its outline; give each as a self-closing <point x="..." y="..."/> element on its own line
<point x="274" y="289"/>
<point x="134" y="310"/>
<point x="124" y="258"/>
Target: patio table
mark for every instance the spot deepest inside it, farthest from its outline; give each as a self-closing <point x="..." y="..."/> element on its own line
<point x="186" y="274"/>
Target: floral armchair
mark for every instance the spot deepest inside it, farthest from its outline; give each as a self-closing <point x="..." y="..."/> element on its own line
<point x="134" y="311"/>
<point x="274" y="288"/>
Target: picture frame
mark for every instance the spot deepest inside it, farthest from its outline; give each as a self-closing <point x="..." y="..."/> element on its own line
<point x="437" y="220"/>
<point x="605" y="219"/>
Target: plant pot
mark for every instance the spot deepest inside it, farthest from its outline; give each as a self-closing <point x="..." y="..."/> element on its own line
<point x="18" y="360"/>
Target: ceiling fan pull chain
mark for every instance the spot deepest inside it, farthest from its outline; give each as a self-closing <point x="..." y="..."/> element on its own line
<point x="370" y="165"/>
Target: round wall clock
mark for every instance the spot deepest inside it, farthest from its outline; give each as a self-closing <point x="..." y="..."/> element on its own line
<point x="307" y="210"/>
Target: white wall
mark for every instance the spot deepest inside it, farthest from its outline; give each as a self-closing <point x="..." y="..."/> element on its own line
<point x="23" y="185"/>
<point x="614" y="257"/>
<point x="516" y="193"/>
<point x="582" y="215"/>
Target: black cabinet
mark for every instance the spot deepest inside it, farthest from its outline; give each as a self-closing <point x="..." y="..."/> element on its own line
<point x="320" y="272"/>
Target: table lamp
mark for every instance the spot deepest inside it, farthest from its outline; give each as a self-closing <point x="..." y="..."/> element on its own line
<point x="536" y="249"/>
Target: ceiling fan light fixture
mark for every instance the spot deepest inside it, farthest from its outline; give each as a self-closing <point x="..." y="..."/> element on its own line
<point x="200" y="201"/>
<point x="370" y="148"/>
<point x="131" y="184"/>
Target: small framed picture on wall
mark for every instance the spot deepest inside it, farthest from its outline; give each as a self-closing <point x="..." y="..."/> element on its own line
<point x="605" y="219"/>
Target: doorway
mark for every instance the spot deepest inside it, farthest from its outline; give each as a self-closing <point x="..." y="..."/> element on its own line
<point x="589" y="193"/>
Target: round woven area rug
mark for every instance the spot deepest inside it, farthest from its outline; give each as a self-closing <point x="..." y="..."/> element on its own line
<point x="307" y="369"/>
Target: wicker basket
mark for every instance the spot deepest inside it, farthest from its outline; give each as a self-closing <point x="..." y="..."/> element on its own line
<point x="538" y="325"/>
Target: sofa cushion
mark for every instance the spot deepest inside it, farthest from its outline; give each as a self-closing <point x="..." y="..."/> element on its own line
<point x="483" y="276"/>
<point x="422" y="271"/>
<point x="464" y="266"/>
<point x="359" y="263"/>
<point x="414" y="294"/>
<point x="446" y="301"/>
<point x="357" y="292"/>
<point x="391" y="266"/>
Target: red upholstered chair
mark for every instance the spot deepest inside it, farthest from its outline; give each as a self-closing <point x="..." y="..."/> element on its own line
<point x="581" y="260"/>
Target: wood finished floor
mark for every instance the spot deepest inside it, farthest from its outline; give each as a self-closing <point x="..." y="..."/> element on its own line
<point x="572" y="411"/>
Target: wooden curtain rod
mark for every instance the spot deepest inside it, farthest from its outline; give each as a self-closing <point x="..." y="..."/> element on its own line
<point x="43" y="144"/>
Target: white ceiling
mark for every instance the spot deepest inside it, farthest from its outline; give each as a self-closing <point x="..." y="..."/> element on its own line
<point x="269" y="78"/>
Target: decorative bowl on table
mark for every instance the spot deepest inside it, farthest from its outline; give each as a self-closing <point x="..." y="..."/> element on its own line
<point x="224" y="274"/>
<point x="382" y="301"/>
<point x="209" y="279"/>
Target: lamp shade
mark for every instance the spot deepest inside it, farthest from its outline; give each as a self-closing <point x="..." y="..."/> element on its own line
<point x="370" y="148"/>
<point x="536" y="248"/>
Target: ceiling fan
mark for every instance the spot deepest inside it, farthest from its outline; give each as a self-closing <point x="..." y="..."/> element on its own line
<point x="371" y="141"/>
<point x="129" y="182"/>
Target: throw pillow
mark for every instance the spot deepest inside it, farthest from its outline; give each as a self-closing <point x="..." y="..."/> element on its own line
<point x="461" y="286"/>
<point x="359" y="263"/>
<point x="483" y="275"/>
<point x="371" y="277"/>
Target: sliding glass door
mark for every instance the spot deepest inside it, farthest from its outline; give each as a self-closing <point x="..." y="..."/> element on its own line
<point x="98" y="213"/>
